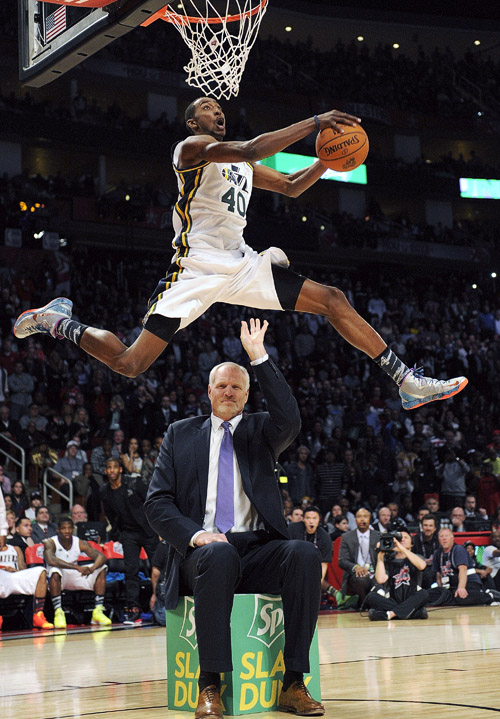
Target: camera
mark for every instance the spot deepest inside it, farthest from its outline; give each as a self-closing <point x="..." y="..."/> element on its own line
<point x="387" y="541"/>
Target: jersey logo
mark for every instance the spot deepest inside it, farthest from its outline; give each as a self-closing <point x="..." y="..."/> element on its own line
<point x="447" y="569"/>
<point x="402" y="577"/>
<point x="232" y="175"/>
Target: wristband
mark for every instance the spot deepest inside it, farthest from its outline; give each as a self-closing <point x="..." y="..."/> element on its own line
<point x="316" y="122"/>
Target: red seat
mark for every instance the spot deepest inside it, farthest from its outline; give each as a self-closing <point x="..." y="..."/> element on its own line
<point x="334" y="573"/>
<point x="34" y="555"/>
<point x="84" y="558"/>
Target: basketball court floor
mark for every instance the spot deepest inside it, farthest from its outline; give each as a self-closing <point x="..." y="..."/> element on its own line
<point x="444" y="668"/>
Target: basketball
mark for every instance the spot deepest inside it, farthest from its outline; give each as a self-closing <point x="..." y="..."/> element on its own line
<point x="342" y="151"/>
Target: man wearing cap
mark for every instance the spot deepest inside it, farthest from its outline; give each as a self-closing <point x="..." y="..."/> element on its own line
<point x="70" y="466"/>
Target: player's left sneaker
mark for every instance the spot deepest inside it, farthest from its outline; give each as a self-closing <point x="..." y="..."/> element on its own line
<point x="40" y="622"/>
<point x="98" y="617"/>
<point x="43" y="320"/>
<point x="416" y="390"/>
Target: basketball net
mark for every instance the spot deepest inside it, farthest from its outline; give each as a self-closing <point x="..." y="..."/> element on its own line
<point x="219" y="43"/>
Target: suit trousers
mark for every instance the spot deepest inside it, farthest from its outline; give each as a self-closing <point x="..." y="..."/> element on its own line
<point x="214" y="572"/>
<point x="132" y="543"/>
<point x="403" y="610"/>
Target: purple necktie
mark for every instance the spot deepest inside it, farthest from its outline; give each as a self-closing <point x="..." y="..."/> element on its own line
<point x="224" y="507"/>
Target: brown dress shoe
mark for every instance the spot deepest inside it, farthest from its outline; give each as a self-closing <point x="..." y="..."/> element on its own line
<point x="209" y="704"/>
<point x="297" y="700"/>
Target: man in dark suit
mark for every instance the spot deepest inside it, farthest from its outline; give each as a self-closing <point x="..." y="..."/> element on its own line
<point x="357" y="556"/>
<point x="218" y="548"/>
<point x="43" y="528"/>
<point x="123" y="503"/>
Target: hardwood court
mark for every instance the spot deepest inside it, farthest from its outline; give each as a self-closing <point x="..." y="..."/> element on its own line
<point x="442" y="668"/>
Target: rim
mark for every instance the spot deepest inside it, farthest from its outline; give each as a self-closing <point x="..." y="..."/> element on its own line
<point x="176" y="18"/>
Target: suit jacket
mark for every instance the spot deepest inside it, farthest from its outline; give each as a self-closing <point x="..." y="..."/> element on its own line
<point x="348" y="553"/>
<point x="177" y="494"/>
<point x="38" y="535"/>
<point x="136" y="492"/>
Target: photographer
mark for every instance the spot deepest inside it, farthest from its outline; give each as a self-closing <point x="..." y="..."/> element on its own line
<point x="397" y="594"/>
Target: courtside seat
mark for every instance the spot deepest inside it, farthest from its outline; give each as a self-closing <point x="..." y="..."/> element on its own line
<point x="34" y="555"/>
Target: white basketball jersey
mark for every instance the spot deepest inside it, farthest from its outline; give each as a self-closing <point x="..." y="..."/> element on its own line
<point x="212" y="205"/>
<point x="68" y="555"/>
<point x="8" y="557"/>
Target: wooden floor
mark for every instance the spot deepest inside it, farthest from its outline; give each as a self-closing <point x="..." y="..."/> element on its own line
<point x="447" y="667"/>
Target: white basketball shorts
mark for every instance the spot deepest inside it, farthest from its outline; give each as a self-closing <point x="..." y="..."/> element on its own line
<point x="22" y="582"/>
<point x="72" y="579"/>
<point x="206" y="276"/>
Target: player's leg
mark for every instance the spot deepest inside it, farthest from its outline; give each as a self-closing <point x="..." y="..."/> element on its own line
<point x="414" y="389"/>
<point x="55" y="319"/>
<point x="99" y="586"/>
<point x="55" y="589"/>
<point x="39" y="619"/>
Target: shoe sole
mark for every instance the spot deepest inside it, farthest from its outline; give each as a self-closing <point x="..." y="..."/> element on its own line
<point x="100" y="624"/>
<point x="435" y="398"/>
<point x="66" y="309"/>
<point x="291" y="710"/>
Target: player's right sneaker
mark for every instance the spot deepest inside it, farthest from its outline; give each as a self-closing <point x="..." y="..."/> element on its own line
<point x="416" y="390"/>
<point x="40" y="621"/>
<point x="59" y="619"/>
<point x="43" y="320"/>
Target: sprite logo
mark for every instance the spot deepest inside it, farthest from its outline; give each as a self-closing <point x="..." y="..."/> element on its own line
<point x="188" y="629"/>
<point x="267" y="623"/>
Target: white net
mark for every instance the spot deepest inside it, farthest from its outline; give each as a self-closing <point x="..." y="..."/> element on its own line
<point x="220" y="39"/>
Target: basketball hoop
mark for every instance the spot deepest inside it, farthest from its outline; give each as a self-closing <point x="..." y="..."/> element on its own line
<point x="219" y="43"/>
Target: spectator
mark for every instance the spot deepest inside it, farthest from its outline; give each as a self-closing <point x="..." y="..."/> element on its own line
<point x="163" y="416"/>
<point x="457" y="518"/>
<point x="61" y="556"/>
<point x="397" y="522"/>
<point x="383" y="524"/>
<point x="35" y="502"/>
<point x="341" y="524"/>
<point x="5" y="484"/>
<point x="296" y="515"/>
<point x="426" y="544"/>
<point x="100" y="454"/>
<point x="491" y="558"/>
<point x="123" y="499"/>
<point x="43" y="528"/>
<point x="21" y="386"/>
<point x="456" y="586"/>
<point x="20" y="501"/>
<point x="132" y="460"/>
<point x="22" y="537"/>
<point x="11" y="523"/>
<point x="300" y="475"/>
<point x="328" y="480"/>
<point x="397" y="575"/>
<point x="357" y="556"/>
<point x="453" y="472"/>
<point x="70" y="466"/>
<point x="33" y="415"/>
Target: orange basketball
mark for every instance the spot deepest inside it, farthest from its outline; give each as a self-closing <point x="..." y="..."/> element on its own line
<point x="342" y="151"/>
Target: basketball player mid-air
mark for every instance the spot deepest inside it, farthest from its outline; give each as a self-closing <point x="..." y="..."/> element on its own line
<point x="212" y="262"/>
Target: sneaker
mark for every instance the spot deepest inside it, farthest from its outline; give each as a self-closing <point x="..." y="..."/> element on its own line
<point x="346" y="602"/>
<point x="420" y="614"/>
<point x="98" y="617"/>
<point x="132" y="616"/>
<point x="44" y="319"/>
<point x="416" y="390"/>
<point x="40" y="622"/>
<point x="59" y="619"/>
<point x="377" y="615"/>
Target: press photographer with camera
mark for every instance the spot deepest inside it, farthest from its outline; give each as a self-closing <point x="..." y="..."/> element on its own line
<point x="397" y="593"/>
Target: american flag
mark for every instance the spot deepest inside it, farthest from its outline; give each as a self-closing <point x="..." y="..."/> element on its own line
<point x="55" y="23"/>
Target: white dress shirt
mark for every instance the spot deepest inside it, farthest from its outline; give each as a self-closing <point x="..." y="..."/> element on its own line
<point x="363" y="558"/>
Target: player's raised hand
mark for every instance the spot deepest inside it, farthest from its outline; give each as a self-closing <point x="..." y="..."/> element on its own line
<point x="335" y="119"/>
<point x="252" y="338"/>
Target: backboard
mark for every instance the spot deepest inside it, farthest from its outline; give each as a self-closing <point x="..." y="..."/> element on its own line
<point x="55" y="37"/>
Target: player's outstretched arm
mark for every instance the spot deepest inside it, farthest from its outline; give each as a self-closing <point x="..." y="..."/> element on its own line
<point x="203" y="148"/>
